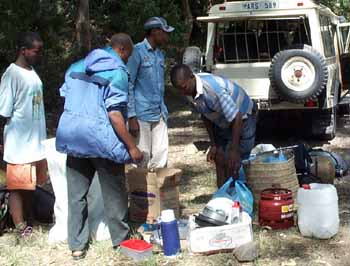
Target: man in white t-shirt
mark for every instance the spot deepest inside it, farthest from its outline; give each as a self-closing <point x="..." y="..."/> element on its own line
<point x="22" y="112"/>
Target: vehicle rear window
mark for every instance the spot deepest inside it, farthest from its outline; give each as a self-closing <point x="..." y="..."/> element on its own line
<point x="258" y="40"/>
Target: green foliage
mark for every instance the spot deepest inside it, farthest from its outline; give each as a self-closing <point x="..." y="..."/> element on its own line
<point x="132" y="14"/>
<point x="111" y="16"/>
<point x="55" y="21"/>
<point x="340" y="7"/>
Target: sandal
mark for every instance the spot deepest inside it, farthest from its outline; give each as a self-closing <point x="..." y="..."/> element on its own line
<point x="24" y="230"/>
<point x="78" y="254"/>
<point x="27" y="231"/>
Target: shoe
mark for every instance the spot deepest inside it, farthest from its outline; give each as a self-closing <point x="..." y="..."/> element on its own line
<point x="26" y="232"/>
<point x="78" y="254"/>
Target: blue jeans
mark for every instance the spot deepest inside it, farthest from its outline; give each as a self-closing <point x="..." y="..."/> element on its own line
<point x="223" y="140"/>
<point x="80" y="172"/>
<point x="223" y="137"/>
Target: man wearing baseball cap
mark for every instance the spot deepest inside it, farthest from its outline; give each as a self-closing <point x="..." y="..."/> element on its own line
<point x="147" y="111"/>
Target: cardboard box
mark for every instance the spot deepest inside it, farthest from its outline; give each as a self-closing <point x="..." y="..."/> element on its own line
<point x="152" y="192"/>
<point x="220" y="238"/>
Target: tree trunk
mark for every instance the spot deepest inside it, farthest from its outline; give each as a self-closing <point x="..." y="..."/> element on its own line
<point x="83" y="27"/>
<point x="188" y="21"/>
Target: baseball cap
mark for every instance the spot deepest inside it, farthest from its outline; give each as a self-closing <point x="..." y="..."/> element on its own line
<point x="157" y="23"/>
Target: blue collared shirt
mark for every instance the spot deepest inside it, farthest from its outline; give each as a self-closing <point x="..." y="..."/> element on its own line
<point x="146" y="87"/>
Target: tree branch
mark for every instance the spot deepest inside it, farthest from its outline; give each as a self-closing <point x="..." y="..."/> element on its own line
<point x="83" y="27"/>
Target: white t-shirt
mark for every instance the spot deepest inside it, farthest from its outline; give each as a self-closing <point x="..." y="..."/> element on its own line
<point x="21" y="101"/>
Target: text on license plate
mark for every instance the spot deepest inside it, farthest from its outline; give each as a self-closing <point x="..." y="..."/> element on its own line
<point x="260" y="5"/>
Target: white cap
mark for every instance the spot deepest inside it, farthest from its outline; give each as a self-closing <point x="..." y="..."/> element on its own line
<point x="167" y="216"/>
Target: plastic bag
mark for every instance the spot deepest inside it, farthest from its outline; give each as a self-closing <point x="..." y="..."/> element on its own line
<point x="58" y="175"/>
<point x="228" y="191"/>
<point x="245" y="197"/>
<point x="237" y="191"/>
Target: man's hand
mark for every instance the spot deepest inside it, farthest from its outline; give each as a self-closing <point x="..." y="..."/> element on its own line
<point x="136" y="154"/>
<point x="234" y="162"/>
<point x="119" y="126"/>
<point x="134" y="127"/>
<point x="211" y="154"/>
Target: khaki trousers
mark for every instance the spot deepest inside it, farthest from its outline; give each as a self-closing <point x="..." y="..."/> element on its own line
<point x="153" y="142"/>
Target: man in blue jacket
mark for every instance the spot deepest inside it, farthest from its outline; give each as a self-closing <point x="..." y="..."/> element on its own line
<point x="228" y="114"/>
<point x="147" y="111"/>
<point x="92" y="132"/>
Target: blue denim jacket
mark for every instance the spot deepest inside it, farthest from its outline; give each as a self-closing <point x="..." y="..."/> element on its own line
<point x="146" y="87"/>
<point x="93" y="87"/>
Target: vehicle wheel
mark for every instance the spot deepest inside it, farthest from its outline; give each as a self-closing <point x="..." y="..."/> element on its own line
<point x="193" y="57"/>
<point x="324" y="124"/>
<point x="298" y="75"/>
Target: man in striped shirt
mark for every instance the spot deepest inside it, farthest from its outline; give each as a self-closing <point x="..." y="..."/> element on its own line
<point x="228" y="114"/>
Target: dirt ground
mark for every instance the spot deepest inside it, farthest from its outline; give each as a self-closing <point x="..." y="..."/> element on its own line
<point x="187" y="151"/>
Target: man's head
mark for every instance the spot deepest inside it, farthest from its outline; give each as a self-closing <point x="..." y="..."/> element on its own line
<point x="158" y="30"/>
<point x="183" y="79"/>
<point x="29" y="46"/>
<point x="122" y="44"/>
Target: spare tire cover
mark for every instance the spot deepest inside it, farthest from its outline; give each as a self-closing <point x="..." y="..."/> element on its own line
<point x="298" y="75"/>
<point x="192" y="57"/>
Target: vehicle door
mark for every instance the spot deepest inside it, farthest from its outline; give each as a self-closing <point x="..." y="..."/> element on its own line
<point x="343" y="30"/>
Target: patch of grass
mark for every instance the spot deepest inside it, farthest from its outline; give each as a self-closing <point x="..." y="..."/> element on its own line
<point x="101" y="247"/>
<point x="209" y="179"/>
<point x="196" y="177"/>
<point x="9" y="257"/>
<point x="152" y="261"/>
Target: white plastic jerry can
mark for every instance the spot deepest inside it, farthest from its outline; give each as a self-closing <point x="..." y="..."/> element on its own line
<point x="318" y="214"/>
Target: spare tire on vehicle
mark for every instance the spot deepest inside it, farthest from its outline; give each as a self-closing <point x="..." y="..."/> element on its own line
<point x="298" y="75"/>
<point x="193" y="58"/>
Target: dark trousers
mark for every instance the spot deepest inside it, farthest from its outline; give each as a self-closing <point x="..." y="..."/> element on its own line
<point x="223" y="139"/>
<point x="80" y="172"/>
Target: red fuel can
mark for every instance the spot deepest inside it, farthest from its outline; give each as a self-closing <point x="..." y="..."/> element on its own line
<point x="276" y="208"/>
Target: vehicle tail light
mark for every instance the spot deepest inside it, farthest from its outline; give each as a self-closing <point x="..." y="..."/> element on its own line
<point x="310" y="103"/>
<point x="222" y="7"/>
<point x="300" y="4"/>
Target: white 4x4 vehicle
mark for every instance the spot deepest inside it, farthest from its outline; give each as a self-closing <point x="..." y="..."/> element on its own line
<point x="285" y="54"/>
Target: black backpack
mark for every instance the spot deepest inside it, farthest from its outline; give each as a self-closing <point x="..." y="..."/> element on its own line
<point x="302" y="159"/>
<point x="43" y="207"/>
<point x="5" y="217"/>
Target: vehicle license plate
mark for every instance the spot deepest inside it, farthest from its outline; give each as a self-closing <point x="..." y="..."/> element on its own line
<point x="260" y="5"/>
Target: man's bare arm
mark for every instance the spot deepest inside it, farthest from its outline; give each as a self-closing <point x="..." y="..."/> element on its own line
<point x="118" y="123"/>
<point x="209" y="126"/>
